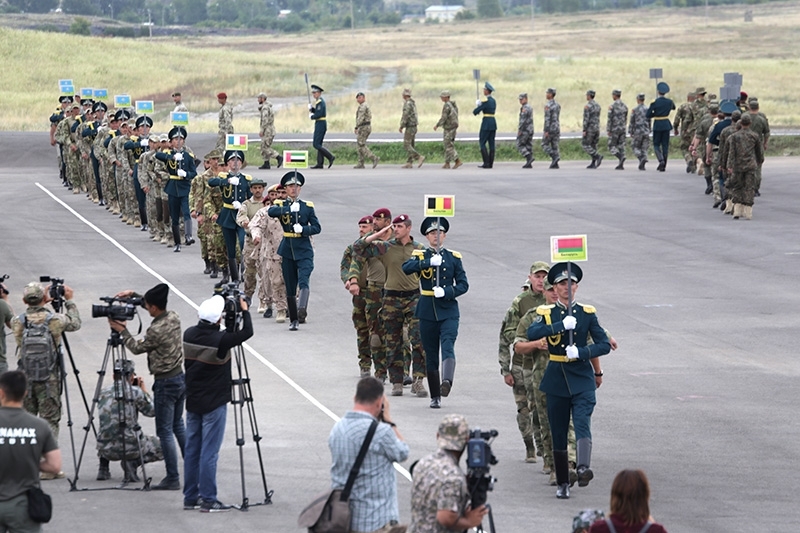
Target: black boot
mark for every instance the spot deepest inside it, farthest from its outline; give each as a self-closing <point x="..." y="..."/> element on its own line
<point x="279" y="161"/>
<point x="103" y="473"/>
<point x="491" y="158"/>
<point x="561" y="463"/>
<point x="642" y="163"/>
<point x="291" y="304"/>
<point x="208" y="266"/>
<point x="485" y="157"/>
<point x="436" y="394"/>
<point x="593" y="164"/>
<point x="599" y="159"/>
<point x="621" y="161"/>
<point x="448" y="373"/>
<point x="528" y="161"/>
<point x="176" y="236"/>
<point x="554" y="163"/>
<point x="225" y="274"/>
<point x="585" y="473"/>
<point x="302" y="305"/>
<point x="265" y="165"/>
<point x="328" y="155"/>
<point x="320" y="159"/>
<point x="214" y="270"/>
<point x="233" y="268"/>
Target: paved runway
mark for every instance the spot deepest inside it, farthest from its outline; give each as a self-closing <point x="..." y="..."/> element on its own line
<point x="700" y="394"/>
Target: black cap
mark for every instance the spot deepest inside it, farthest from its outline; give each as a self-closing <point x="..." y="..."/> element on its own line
<point x="317" y="88"/>
<point x="157" y="296"/>
<point x="144" y="120"/>
<point x="230" y="154"/>
<point x="178" y="131"/>
<point x="434" y="223"/>
<point x="293" y="178"/>
<point x="64" y="99"/>
<point x="558" y="272"/>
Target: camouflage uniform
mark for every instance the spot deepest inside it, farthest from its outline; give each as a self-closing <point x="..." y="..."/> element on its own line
<point x="615" y="128"/>
<point x="271" y="290"/>
<point x="409" y="123"/>
<point x="207" y="202"/>
<point x="702" y="129"/>
<point x="44" y="398"/>
<point x="147" y="178"/>
<point x="761" y="127"/>
<point x="449" y="124"/>
<point x="639" y="130"/>
<point x="127" y="198"/>
<point x="267" y="131"/>
<point x="744" y="154"/>
<point x="591" y="128"/>
<point x="110" y="158"/>
<point x="115" y="404"/>
<point x="525" y="131"/>
<point x="551" y="132"/>
<point x="85" y="149"/>
<point x="161" y="197"/>
<point x="438" y="484"/>
<point x="685" y="117"/>
<point x="363" y="130"/>
<point x="225" y="124"/>
<point x="250" y="253"/>
<point x="69" y="153"/>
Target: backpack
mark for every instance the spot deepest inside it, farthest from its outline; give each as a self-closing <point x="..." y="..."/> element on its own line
<point x="38" y="353"/>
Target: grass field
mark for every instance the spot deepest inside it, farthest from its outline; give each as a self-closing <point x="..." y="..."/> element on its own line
<point x="573" y="53"/>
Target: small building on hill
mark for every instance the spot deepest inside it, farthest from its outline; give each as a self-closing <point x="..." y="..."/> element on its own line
<point x="443" y="13"/>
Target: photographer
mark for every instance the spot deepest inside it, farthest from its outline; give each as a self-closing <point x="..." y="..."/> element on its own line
<point x="162" y="342"/>
<point x="208" y="392"/>
<point x="118" y="408"/>
<point x="439" y="495"/>
<point x="44" y="384"/>
<point x="6" y="314"/>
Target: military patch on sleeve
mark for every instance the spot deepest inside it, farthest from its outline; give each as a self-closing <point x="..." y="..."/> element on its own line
<point x="537" y="319"/>
<point x="310" y="204"/>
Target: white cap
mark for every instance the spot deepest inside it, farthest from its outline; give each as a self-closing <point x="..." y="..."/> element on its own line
<point x="211" y="309"/>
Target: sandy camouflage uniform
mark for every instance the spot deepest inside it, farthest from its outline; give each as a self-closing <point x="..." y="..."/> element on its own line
<point x="225" y="124"/>
<point x="267" y="131"/>
<point x="250" y="254"/>
<point x="363" y="130"/>
<point x="449" y="124"/>
<point x="271" y="290"/>
<point x="409" y="123"/>
<point x="684" y="117"/>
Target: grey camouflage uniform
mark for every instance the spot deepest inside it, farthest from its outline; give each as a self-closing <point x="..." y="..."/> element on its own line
<point x="409" y="123"/>
<point x="591" y="127"/>
<point x="615" y="127"/>
<point x="363" y="130"/>
<point x="639" y="130"/>
<point x="525" y="131"/>
<point x="115" y="404"/>
<point x="551" y="133"/>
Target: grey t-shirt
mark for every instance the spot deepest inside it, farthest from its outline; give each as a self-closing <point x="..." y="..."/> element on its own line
<point x="24" y="439"/>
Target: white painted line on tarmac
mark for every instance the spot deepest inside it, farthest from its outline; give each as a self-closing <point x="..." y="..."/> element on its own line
<point x="278" y="372"/>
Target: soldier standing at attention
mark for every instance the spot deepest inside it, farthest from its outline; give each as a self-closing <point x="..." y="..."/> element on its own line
<point x="318" y="113"/>
<point x="441" y="280"/>
<point x="225" y="120"/>
<point x="569" y="380"/>
<point x="551" y="133"/>
<point x="449" y="123"/>
<point x="362" y="130"/>
<point x="659" y="111"/>
<point x="615" y="128"/>
<point x="525" y="131"/>
<point x="409" y="122"/>
<point x="299" y="222"/>
<point x="181" y="170"/>
<point x="639" y="130"/>
<point x="487" y="106"/>
<point x="684" y="117"/>
<point x="591" y="129"/>
<point x="179" y="107"/>
<point x="266" y="130"/>
<point x="204" y="208"/>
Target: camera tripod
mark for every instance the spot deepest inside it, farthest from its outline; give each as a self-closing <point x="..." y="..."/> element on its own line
<point x="124" y="398"/>
<point x="242" y="398"/>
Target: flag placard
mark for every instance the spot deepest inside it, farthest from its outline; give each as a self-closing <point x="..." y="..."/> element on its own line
<point x="144" y="107"/>
<point x="234" y="141"/>
<point x="437" y="205"/>
<point x="295" y="158"/>
<point x="65" y="83"/>
<point x="179" y="118"/>
<point x="66" y="90"/>
<point x="86" y="92"/>
<point x="100" y="94"/>
<point x="568" y="248"/>
<point x="122" y="100"/>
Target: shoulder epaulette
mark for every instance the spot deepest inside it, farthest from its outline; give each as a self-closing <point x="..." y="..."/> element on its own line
<point x="248" y="177"/>
<point x="309" y="204"/>
<point x="457" y="255"/>
<point x="544" y="310"/>
<point x="190" y="154"/>
<point x="277" y="202"/>
<point x="223" y="175"/>
<point x="134" y="137"/>
<point x="418" y="253"/>
<point x="587" y="308"/>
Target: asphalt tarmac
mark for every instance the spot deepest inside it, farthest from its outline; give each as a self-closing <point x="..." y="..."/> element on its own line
<point x="700" y="394"/>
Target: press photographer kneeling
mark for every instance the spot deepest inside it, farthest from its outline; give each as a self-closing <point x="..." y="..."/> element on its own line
<point x="207" y="351"/>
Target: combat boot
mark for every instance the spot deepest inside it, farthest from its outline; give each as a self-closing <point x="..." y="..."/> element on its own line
<point x="737" y="211"/>
<point x="279" y="161"/>
<point x="748" y="212"/>
<point x="485" y="157"/>
<point x="584" y="452"/>
<point x="433" y="383"/>
<point x="555" y="161"/>
<point x="491" y="158"/>
<point x="457" y="163"/>
<point x="418" y="388"/>
<point x="397" y="389"/>
<point x="709" y="185"/>
<point x="225" y="274"/>
<point x="448" y="374"/>
<point x="208" y="266"/>
<point x="214" y="274"/>
<point x="360" y="165"/>
<point x="593" y="164"/>
<point x="409" y="165"/>
<point x="291" y="303"/>
<point x="446" y="165"/>
<point x="528" y="161"/>
<point x="599" y="160"/>
<point x="375" y="161"/>
<point x="265" y="165"/>
<point x="530" y="450"/>
<point x="642" y="163"/>
<point x="103" y="473"/>
<point x="621" y="161"/>
<point x="280" y="317"/>
<point x="421" y="160"/>
<point x="137" y="222"/>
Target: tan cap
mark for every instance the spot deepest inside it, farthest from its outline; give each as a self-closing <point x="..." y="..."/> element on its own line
<point x="453" y="433"/>
<point x="406" y="92"/>
<point x="540" y="266"/>
<point x="444" y="93"/>
<point x="33" y="293"/>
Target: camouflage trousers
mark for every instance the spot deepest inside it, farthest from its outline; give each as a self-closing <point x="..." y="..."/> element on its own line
<point x="151" y="449"/>
<point x="155" y="212"/>
<point x="525" y="144"/>
<point x="397" y="311"/>
<point x="369" y="331"/>
<point x="221" y="139"/>
<point x="742" y="186"/>
<point x="758" y="177"/>
<point x="361" y="144"/>
<point x="522" y="372"/>
<point x="87" y="178"/>
<point x="589" y="142"/>
<point x="715" y="175"/>
<point x="449" y="140"/>
<point x="272" y="290"/>
<point x="73" y="169"/>
<point x="550" y="145"/>
<point x="127" y="197"/>
<point x="267" y="151"/>
<point x="640" y="143"/>
<point x="215" y="244"/>
<point x="616" y="143"/>
<point x="44" y="400"/>
<point x="409" y="135"/>
<point x="540" y="362"/>
<point x="109" y="181"/>
<point x="250" y="259"/>
<point x="686" y="141"/>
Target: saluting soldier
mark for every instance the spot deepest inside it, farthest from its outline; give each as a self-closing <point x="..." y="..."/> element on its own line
<point x="525" y="131"/>
<point x="181" y="171"/>
<point x="569" y="380"/>
<point x="318" y="113"/>
<point x="487" y="105"/>
<point x="551" y="133"/>
<point x="300" y="222"/>
<point x="235" y="188"/>
<point x="591" y="129"/>
<point x="409" y="122"/>
<point x="659" y="111"/>
<point x="441" y="280"/>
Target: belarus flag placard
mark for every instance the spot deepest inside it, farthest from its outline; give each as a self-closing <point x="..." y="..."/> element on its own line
<point x="568" y="248"/>
<point x="236" y="142"/>
<point x="437" y="205"/>
<point x="295" y="158"/>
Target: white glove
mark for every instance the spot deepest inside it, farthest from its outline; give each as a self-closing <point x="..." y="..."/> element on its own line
<point x="569" y="322"/>
<point x="237" y="204"/>
<point x="298" y="228"/>
<point x="233" y="180"/>
<point x="177" y="156"/>
<point x="572" y="352"/>
<point x="181" y="173"/>
<point x="311" y="116"/>
<point x="295" y="207"/>
<point x="145" y="143"/>
<point x="438" y="292"/>
<point x="477" y="102"/>
<point x="311" y="107"/>
<point x="436" y="260"/>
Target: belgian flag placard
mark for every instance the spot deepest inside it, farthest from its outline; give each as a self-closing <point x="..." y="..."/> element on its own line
<point x="437" y="205"/>
<point x="568" y="248"/>
<point x="234" y="141"/>
<point x="295" y="158"/>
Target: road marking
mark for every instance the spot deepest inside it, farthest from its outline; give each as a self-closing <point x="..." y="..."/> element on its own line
<point x="657" y="305"/>
<point x="278" y="372"/>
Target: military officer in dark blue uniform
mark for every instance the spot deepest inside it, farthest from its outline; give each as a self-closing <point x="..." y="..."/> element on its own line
<point x="182" y="170"/>
<point x="569" y="379"/>
<point x="235" y="188"/>
<point x="299" y="223"/>
<point x="659" y="111"/>
<point x="441" y="280"/>
<point x="487" y="106"/>
<point x="318" y="113"/>
<point x="138" y="145"/>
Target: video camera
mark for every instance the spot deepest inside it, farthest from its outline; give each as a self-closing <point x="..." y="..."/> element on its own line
<point x="233" y="307"/>
<point x="120" y="309"/>
<point x="56" y="287"/>
<point x="479" y="460"/>
<point x="3" y="290"/>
